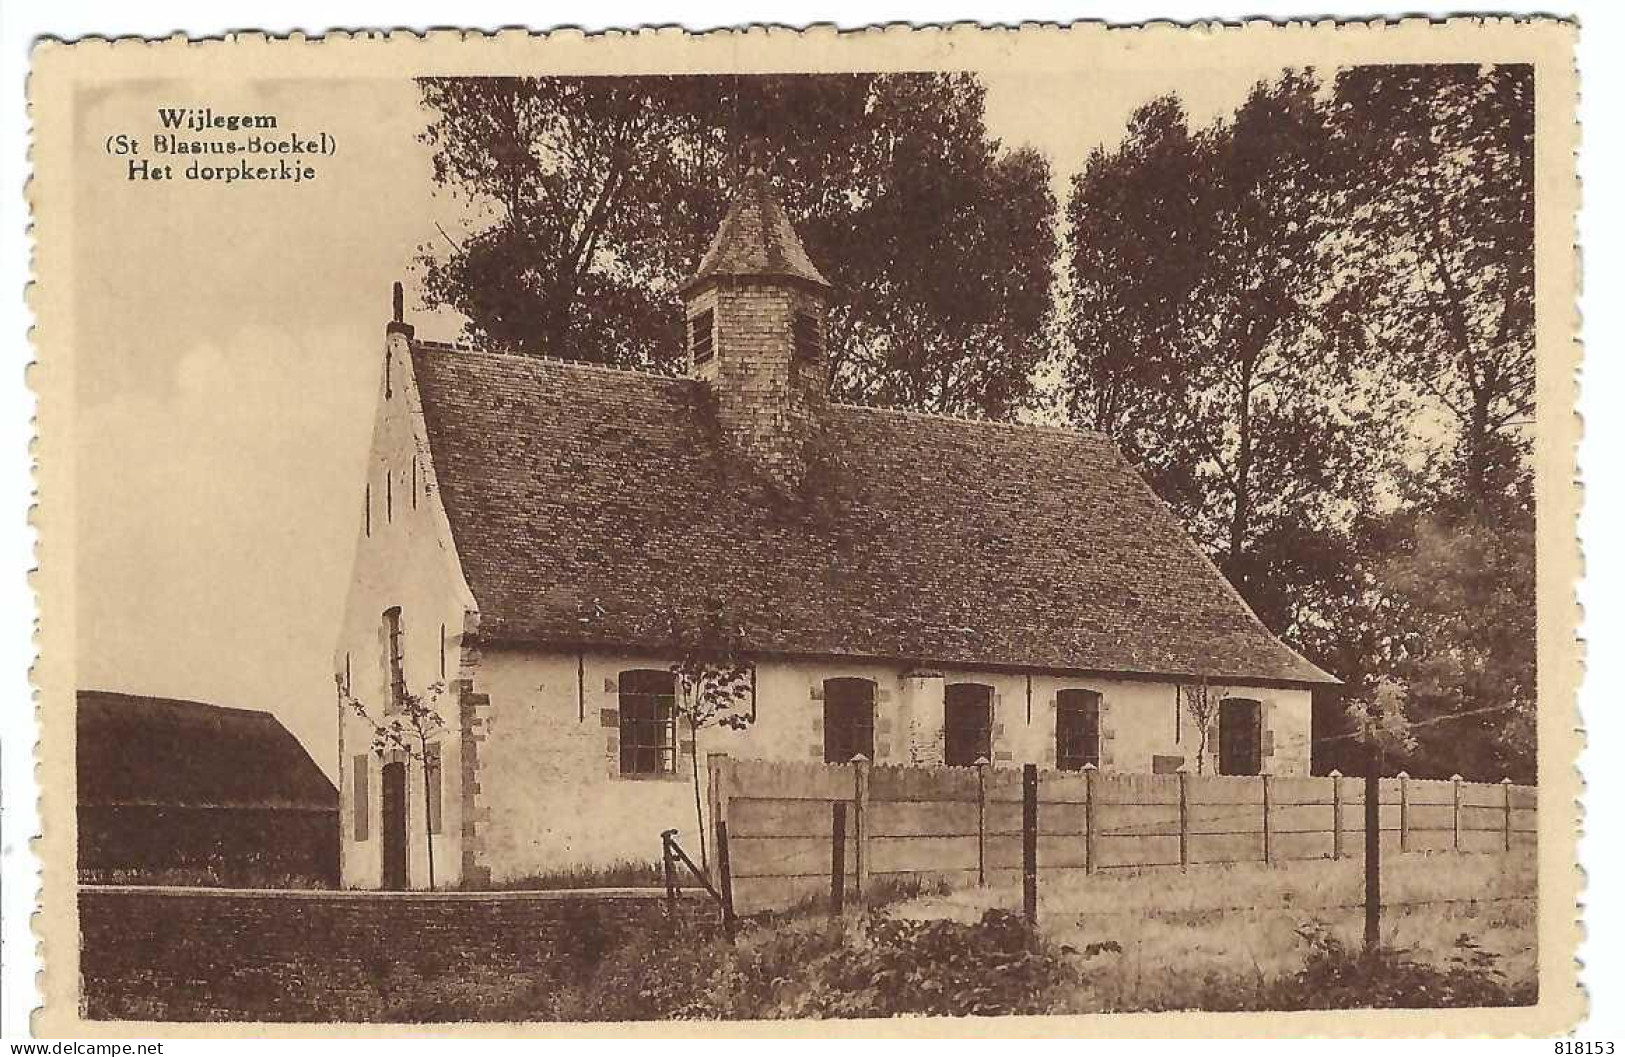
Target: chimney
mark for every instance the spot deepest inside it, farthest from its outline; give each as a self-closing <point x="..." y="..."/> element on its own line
<point x="755" y="315"/>
<point x="397" y="322"/>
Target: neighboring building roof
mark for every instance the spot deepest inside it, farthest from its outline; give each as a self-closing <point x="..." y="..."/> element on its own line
<point x="155" y="751"/>
<point x="756" y="240"/>
<point x="589" y="504"/>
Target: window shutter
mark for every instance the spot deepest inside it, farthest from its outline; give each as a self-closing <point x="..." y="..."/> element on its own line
<point x="359" y="796"/>
<point x="436" y="777"/>
<point x="1266" y="721"/>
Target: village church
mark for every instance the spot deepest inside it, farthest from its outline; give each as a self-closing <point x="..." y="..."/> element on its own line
<point x="907" y="587"/>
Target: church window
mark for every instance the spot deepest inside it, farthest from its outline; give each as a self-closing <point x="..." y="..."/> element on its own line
<point x="805" y="337"/>
<point x="967" y="724"/>
<point x="397" y="662"/>
<point x="849" y="720"/>
<point x="702" y="336"/>
<point x="648" y="718"/>
<point x="1077" y="729"/>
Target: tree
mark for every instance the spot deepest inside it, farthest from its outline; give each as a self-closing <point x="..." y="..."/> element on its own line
<point x="1198" y="268"/>
<point x="1438" y="258"/>
<point x="1381" y="720"/>
<point x="409" y="730"/>
<point x="1463" y="594"/>
<point x="1201" y="703"/>
<point x="714" y="684"/>
<point x="589" y="200"/>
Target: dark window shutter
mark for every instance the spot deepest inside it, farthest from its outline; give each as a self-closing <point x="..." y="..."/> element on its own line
<point x="702" y="336"/>
<point x="967" y="724"/>
<point x="359" y="796"/>
<point x="432" y="763"/>
<point x="849" y="719"/>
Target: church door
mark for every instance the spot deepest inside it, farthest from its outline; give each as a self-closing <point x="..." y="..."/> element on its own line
<point x="1241" y="737"/>
<point x="394" y="835"/>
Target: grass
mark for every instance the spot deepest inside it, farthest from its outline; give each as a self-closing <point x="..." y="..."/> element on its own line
<point x="210" y="876"/>
<point x="1219" y="938"/>
<point x="626" y="874"/>
<point x="1227" y="936"/>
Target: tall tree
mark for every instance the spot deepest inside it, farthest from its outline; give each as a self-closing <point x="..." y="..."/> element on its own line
<point x="1197" y="265"/>
<point x="590" y="199"/>
<point x="1439" y="260"/>
<point x="1438" y="283"/>
<point x="1312" y="324"/>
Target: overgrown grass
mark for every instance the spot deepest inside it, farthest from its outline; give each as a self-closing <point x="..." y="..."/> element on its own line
<point x="208" y="876"/>
<point x="1233" y="938"/>
<point x="625" y="874"/>
<point x="1290" y="886"/>
<point x="1227" y="937"/>
<point x="879" y="965"/>
<point x="869" y="965"/>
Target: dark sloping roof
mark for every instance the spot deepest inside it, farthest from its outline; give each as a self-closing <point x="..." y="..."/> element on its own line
<point x="756" y="240"/>
<point x="157" y="751"/>
<point x="588" y="505"/>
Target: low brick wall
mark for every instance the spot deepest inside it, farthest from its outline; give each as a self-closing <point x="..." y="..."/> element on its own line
<point x="234" y="954"/>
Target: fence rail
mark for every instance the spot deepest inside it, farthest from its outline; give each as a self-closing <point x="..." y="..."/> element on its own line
<point x="970" y="824"/>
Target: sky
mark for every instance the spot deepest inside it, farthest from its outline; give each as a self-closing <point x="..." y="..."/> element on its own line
<point x="227" y="344"/>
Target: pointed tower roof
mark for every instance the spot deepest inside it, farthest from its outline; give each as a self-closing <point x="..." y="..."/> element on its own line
<point x="756" y="240"/>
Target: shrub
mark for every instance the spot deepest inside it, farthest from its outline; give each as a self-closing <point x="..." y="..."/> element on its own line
<point x="873" y="966"/>
<point x="890" y="966"/>
<point x="1337" y="977"/>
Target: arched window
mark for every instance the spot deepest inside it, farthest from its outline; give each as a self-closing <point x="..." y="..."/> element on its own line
<point x="1077" y="729"/>
<point x="967" y="723"/>
<point x="648" y="721"/>
<point x="395" y="653"/>
<point x="1241" y="736"/>
<point x="849" y="719"/>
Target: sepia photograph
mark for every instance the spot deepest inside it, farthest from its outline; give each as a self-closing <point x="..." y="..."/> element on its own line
<point x="745" y="528"/>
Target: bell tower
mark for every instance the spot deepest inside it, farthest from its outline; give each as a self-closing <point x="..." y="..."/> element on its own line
<point x="755" y="317"/>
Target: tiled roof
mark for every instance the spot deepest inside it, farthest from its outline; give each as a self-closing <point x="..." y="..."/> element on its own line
<point x="755" y="240"/>
<point x="588" y="505"/>
<point x="161" y="752"/>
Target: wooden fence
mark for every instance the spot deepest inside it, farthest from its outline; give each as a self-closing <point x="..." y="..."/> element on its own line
<point x="778" y="821"/>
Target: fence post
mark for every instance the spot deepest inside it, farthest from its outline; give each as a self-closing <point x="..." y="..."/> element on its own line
<point x="669" y="870"/>
<point x="1029" y="842"/>
<point x="725" y="875"/>
<point x="1373" y="854"/>
<point x="1269" y="843"/>
<point x="1091" y="859"/>
<point x="1337" y="813"/>
<point x="1455" y="813"/>
<point x="860" y="824"/>
<point x="1184" y="821"/>
<point x="1506" y="821"/>
<point x="837" y="859"/>
<point x="982" y="764"/>
<point x="1404" y="811"/>
<point x="718" y="768"/>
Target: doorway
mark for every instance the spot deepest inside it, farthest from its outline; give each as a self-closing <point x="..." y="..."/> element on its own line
<point x="394" y="828"/>
<point x="1241" y="736"/>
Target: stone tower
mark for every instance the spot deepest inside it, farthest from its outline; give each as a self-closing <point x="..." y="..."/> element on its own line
<point x="755" y="314"/>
